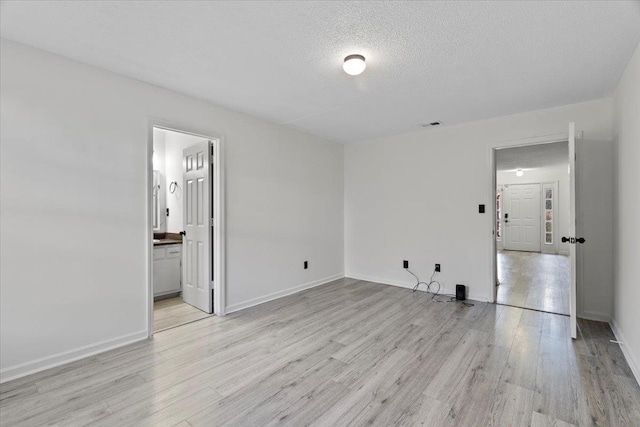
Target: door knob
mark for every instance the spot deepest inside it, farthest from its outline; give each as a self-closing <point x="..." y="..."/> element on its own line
<point x="573" y="240"/>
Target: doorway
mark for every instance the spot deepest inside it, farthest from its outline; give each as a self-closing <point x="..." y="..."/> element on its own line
<point x="532" y="213"/>
<point x="185" y="239"/>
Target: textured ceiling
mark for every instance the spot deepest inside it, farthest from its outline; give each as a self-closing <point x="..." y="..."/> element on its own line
<point x="532" y="156"/>
<point x="449" y="61"/>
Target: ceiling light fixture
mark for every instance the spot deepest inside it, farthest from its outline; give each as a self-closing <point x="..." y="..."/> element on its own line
<point x="354" y="64"/>
<point x="519" y="172"/>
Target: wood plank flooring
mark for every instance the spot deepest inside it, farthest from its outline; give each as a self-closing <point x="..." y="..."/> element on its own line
<point x="533" y="280"/>
<point x="346" y="353"/>
<point x="171" y="312"/>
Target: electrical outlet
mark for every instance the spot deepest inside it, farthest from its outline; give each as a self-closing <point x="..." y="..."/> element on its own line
<point x="438" y="267"/>
<point x="306" y="265"/>
<point x="405" y="264"/>
<point x="167" y="211"/>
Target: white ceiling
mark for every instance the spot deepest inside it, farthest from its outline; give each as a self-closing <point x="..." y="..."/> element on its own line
<point x="449" y="61"/>
<point x="532" y="157"/>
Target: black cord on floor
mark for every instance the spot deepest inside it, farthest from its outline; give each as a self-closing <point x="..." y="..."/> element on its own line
<point x="428" y="285"/>
<point x="437" y="292"/>
<point x="454" y="299"/>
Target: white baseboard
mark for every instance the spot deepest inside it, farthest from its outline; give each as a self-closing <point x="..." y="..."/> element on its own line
<point x="47" y="362"/>
<point x="631" y="360"/>
<point x="594" y="315"/>
<point x="270" y="297"/>
<point x="410" y="284"/>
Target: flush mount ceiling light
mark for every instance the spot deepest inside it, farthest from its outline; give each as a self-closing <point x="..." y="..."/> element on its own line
<point x="354" y="64"/>
<point x="519" y="172"/>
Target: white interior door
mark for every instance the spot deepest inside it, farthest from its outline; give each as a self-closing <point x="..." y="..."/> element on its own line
<point x="572" y="230"/>
<point x="196" y="269"/>
<point x="522" y="217"/>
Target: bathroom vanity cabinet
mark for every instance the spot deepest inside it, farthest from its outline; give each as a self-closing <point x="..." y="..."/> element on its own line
<point x="167" y="260"/>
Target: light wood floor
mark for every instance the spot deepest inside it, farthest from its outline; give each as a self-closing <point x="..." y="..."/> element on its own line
<point x="346" y="353"/>
<point x="171" y="312"/>
<point x="533" y="280"/>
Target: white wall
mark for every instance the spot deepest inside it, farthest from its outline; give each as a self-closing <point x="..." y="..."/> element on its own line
<point x="415" y="196"/>
<point x="74" y="210"/>
<point x="159" y="154"/>
<point x="626" y="315"/>
<point x="175" y="145"/>
<point x="543" y="175"/>
<point x="160" y="165"/>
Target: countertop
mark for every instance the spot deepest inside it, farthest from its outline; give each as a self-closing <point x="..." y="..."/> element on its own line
<point x="161" y="239"/>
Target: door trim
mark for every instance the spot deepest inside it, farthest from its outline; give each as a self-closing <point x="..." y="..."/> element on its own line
<point x="491" y="190"/>
<point x="219" y="210"/>
<point x="499" y="243"/>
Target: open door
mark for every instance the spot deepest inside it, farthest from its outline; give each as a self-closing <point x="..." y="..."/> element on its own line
<point x="572" y="239"/>
<point x="196" y="269"/>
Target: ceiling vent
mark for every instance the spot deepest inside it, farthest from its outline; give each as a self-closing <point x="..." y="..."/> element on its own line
<point x="428" y="125"/>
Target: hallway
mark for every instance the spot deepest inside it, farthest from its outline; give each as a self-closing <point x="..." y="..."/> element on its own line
<point x="534" y="280"/>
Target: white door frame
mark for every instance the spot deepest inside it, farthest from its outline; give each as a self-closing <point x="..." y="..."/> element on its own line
<point x="219" y="210"/>
<point x="499" y="244"/>
<point x="539" y="140"/>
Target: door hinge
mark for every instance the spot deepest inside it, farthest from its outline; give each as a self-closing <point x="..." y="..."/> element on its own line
<point x="212" y="222"/>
